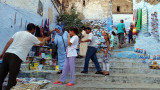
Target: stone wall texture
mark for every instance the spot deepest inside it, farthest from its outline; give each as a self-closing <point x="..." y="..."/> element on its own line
<point x="126" y="6"/>
<point x="93" y="9"/>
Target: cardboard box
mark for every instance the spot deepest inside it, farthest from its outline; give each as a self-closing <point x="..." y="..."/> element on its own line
<point x="26" y="87"/>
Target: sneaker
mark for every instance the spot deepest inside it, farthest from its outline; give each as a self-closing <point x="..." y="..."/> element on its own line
<point x="85" y="72"/>
<point x="99" y="72"/>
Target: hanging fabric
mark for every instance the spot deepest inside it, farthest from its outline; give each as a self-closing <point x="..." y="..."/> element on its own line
<point x="139" y="21"/>
<point x="15" y="18"/>
<point x="134" y="22"/>
<point x="21" y="23"/>
<point x="145" y="20"/>
<point x="26" y="25"/>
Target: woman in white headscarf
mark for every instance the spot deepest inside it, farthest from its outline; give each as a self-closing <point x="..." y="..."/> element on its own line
<point x="61" y="41"/>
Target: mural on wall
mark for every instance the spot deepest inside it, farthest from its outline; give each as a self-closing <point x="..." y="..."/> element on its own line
<point x="154" y="25"/>
<point x="40" y="8"/>
<point x="152" y="2"/>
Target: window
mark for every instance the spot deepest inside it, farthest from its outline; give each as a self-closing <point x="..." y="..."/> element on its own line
<point x="118" y="8"/>
<point x="84" y="2"/>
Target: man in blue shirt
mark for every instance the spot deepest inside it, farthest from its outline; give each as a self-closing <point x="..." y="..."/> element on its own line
<point x="120" y="31"/>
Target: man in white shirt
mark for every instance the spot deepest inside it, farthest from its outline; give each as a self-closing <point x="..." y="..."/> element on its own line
<point x="91" y="52"/>
<point x="15" y="52"/>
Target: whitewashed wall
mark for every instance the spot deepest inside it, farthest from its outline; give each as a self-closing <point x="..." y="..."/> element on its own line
<point x="128" y="18"/>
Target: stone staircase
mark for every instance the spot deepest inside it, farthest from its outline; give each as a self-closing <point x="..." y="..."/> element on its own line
<point x="125" y="74"/>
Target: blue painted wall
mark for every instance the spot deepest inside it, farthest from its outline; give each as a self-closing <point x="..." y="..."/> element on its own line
<point x="149" y="43"/>
<point x="7" y="26"/>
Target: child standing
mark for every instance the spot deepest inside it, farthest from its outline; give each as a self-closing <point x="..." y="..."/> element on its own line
<point x="112" y="40"/>
<point x="70" y="58"/>
<point x="130" y="37"/>
<point x="106" y="50"/>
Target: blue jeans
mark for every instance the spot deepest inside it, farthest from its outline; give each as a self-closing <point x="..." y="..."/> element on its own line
<point x="91" y="54"/>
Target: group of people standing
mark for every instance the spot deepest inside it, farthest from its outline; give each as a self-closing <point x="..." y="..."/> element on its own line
<point x="17" y="48"/>
<point x="90" y="50"/>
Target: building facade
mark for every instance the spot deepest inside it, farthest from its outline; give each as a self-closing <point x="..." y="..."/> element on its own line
<point x="122" y="6"/>
<point x="122" y="9"/>
<point x="90" y="9"/>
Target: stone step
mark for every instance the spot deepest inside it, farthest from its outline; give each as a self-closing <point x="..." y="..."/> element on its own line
<point x="116" y="69"/>
<point x="115" y="60"/>
<point x="118" y="78"/>
<point x="103" y="86"/>
<point x="122" y="70"/>
<point x="118" y="64"/>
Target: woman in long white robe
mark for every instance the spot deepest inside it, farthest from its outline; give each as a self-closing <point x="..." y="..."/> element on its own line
<point x="83" y="46"/>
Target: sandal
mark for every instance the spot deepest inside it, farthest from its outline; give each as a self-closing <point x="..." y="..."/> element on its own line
<point x="99" y="72"/>
<point x="59" y="72"/>
<point x="69" y="84"/>
<point x="58" y="82"/>
<point x="105" y="73"/>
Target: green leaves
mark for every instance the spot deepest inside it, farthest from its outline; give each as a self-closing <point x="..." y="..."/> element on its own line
<point x="70" y="20"/>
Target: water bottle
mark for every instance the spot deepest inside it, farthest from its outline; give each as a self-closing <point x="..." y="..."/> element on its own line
<point x="139" y="56"/>
<point x="158" y="57"/>
<point x="144" y="52"/>
<point x="148" y="56"/>
<point x="136" y="50"/>
<point x="154" y="57"/>
<point x="141" y="50"/>
<point x="144" y="57"/>
<point x="150" y="61"/>
<point x="144" y="61"/>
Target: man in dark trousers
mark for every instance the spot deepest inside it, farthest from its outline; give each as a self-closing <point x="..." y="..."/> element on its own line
<point x="91" y="52"/>
<point x="120" y="31"/>
<point x="15" y="52"/>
